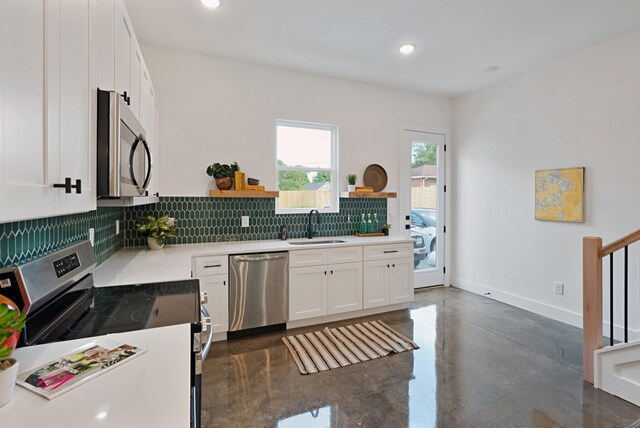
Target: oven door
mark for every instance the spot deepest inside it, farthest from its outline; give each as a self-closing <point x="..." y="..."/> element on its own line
<point x="135" y="162"/>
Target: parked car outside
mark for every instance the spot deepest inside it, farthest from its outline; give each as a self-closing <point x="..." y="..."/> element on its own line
<point x="419" y="249"/>
<point x="424" y="223"/>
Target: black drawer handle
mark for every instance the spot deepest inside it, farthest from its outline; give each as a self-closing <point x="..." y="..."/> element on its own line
<point x="67" y="186"/>
<point x="211" y="266"/>
<point x="391" y="251"/>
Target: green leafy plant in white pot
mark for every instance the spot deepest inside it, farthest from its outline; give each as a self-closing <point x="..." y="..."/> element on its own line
<point x="11" y="324"/>
<point x="351" y="182"/>
<point x="157" y="230"/>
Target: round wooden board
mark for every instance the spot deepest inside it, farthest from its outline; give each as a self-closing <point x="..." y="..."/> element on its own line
<point x="375" y="176"/>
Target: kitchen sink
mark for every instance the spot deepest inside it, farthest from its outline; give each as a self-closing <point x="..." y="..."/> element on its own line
<point x="312" y="242"/>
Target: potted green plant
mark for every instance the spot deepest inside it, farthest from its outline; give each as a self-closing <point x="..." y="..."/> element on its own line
<point x="223" y="174"/>
<point x="385" y="229"/>
<point x="157" y="230"/>
<point x="11" y="323"/>
<point x="351" y="181"/>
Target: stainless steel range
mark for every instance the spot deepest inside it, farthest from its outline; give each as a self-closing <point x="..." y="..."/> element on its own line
<point x="62" y="303"/>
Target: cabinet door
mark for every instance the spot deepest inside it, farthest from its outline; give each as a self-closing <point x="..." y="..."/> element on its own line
<point x="307" y="292"/>
<point x="135" y="71"/>
<point x="218" y="301"/>
<point x="76" y="153"/>
<point x="376" y="283"/>
<point x="123" y="52"/>
<point x="344" y="287"/>
<point x="24" y="159"/>
<point x="400" y="281"/>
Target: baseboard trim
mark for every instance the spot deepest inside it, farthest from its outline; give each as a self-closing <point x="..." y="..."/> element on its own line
<point x="346" y="315"/>
<point x="546" y="310"/>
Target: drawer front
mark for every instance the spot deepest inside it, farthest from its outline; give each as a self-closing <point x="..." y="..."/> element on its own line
<point x="344" y="255"/>
<point x="210" y="265"/>
<point x="306" y="258"/>
<point x="389" y="251"/>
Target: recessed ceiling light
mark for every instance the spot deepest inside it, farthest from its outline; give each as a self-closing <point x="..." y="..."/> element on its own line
<point x="407" y="48"/>
<point x="491" y="69"/>
<point x="211" y="3"/>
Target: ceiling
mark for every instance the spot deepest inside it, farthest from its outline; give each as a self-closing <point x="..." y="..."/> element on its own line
<point x="358" y="39"/>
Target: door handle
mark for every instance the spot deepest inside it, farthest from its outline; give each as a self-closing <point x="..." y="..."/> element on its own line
<point x="67" y="186"/>
<point x="126" y="98"/>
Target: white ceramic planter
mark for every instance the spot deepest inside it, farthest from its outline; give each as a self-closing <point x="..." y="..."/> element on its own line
<point x="153" y="243"/>
<point x="351" y="188"/>
<point x="8" y="381"/>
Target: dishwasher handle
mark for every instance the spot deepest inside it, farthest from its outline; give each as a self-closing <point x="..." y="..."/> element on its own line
<point x="259" y="257"/>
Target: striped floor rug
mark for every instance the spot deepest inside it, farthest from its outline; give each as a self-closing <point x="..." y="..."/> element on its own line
<point x="338" y="347"/>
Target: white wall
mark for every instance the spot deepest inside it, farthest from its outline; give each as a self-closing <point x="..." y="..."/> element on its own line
<point x="217" y="110"/>
<point x="581" y="111"/>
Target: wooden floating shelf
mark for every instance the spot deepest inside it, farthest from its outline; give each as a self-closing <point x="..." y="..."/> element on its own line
<point x="242" y="194"/>
<point x="367" y="235"/>
<point x="379" y="195"/>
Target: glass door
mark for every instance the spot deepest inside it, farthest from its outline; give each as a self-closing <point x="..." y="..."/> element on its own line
<point x="422" y="203"/>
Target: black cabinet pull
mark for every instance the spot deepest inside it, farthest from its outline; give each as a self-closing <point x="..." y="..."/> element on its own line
<point x="393" y="265"/>
<point x="391" y="251"/>
<point x="211" y="266"/>
<point x="67" y="186"/>
<point x="331" y="272"/>
<point x="325" y="272"/>
<point x="387" y="266"/>
<point x="127" y="99"/>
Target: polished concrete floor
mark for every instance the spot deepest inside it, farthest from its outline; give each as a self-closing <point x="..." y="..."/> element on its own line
<point x="481" y="364"/>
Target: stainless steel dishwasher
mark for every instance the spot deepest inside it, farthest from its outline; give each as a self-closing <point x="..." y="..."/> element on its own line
<point x="258" y="292"/>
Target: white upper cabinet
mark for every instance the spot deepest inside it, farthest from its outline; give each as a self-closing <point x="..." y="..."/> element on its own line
<point x="44" y="109"/>
<point x="24" y="161"/>
<point x="54" y="55"/>
<point x="77" y="147"/>
<point x="124" y="49"/>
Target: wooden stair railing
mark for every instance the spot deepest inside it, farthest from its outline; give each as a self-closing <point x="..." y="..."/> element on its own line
<point x="592" y="254"/>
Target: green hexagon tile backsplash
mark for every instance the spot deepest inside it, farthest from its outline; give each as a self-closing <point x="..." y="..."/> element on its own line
<point x="22" y="241"/>
<point x="203" y="219"/>
<point x="199" y="220"/>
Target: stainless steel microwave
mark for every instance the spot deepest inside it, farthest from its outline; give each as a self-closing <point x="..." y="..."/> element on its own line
<point x="125" y="161"/>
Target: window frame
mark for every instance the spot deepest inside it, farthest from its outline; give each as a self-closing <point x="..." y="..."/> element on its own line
<point x="335" y="184"/>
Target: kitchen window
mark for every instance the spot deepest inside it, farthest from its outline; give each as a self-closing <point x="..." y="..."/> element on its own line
<point x="307" y="167"/>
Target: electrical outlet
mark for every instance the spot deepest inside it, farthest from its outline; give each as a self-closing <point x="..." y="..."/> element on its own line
<point x="558" y="288"/>
<point x="92" y="236"/>
<point x="245" y="221"/>
<point x="117" y="227"/>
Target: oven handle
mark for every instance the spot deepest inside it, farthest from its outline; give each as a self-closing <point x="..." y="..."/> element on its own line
<point x="206" y="321"/>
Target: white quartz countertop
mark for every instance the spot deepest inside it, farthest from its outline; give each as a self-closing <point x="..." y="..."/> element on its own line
<point x="173" y="263"/>
<point x="152" y="390"/>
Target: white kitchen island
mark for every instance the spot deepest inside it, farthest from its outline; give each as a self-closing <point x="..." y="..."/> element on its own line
<point x="152" y="390"/>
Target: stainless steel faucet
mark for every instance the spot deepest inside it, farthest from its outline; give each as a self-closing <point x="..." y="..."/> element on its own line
<point x="310" y="231"/>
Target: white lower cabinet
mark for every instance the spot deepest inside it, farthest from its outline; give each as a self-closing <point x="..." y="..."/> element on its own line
<point x="400" y="281"/>
<point x="307" y="292"/>
<point x="318" y="287"/>
<point x="376" y="284"/>
<point x="216" y="287"/>
<point x="387" y="282"/>
<point x="344" y="287"/>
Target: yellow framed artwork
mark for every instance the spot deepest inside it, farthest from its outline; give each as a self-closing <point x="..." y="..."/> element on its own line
<point x="560" y="194"/>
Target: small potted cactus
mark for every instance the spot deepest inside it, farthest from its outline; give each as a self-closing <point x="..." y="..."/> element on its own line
<point x="11" y="323"/>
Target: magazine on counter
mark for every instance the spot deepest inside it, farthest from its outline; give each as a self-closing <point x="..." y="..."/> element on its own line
<point x="83" y="364"/>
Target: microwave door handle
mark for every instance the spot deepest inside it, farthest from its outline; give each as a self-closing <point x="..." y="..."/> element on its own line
<point x="150" y="163"/>
<point x="132" y="173"/>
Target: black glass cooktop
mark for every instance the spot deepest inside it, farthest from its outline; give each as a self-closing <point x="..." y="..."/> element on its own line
<point x="127" y="308"/>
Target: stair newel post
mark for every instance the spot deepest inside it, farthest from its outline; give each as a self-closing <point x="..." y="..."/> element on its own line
<point x="591" y="303"/>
